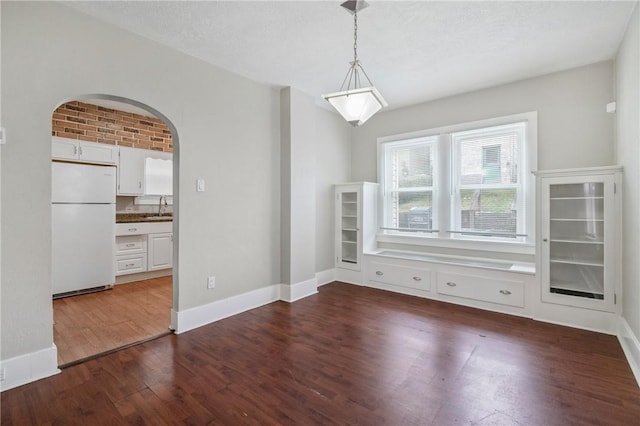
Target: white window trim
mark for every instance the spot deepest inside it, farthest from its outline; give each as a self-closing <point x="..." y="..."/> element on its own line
<point x="444" y="176"/>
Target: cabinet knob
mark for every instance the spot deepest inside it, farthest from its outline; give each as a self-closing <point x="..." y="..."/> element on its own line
<point x="505" y="292"/>
<point x="544" y="239"/>
<point x="417" y="279"/>
<point x="451" y="284"/>
<point x="379" y="273"/>
<point x="132" y="229"/>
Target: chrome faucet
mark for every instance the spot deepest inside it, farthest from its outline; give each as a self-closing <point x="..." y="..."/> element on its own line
<point x="162" y="204"/>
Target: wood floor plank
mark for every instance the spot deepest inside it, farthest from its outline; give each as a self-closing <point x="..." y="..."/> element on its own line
<point x="347" y="355"/>
<point x="89" y="324"/>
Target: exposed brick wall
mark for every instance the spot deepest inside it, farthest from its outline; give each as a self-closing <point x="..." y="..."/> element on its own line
<point x="93" y="123"/>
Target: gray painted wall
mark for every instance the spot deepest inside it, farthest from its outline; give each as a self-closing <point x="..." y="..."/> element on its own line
<point x="628" y="154"/>
<point x="228" y="129"/>
<point x="332" y="164"/>
<point x="573" y="128"/>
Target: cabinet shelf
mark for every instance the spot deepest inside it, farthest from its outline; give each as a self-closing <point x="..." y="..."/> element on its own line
<point x="574" y="241"/>
<point x="576" y="198"/>
<point x="350" y="229"/>
<point x="577" y="262"/>
<point x="349" y="242"/>
<point x="557" y="219"/>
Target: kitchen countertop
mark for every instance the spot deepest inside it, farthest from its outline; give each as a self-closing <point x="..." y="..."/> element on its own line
<point x="143" y="217"/>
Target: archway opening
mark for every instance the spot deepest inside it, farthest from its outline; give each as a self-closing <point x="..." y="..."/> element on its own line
<point x="114" y="206"/>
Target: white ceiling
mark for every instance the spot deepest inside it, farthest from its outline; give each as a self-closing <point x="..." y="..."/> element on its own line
<point x="413" y="51"/>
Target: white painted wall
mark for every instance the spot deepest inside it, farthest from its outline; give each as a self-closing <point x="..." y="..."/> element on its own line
<point x="332" y="165"/>
<point x="573" y="128"/>
<point x="628" y="154"/>
<point x="228" y="131"/>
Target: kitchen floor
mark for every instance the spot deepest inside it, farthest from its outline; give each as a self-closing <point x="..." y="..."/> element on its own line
<point x="93" y="323"/>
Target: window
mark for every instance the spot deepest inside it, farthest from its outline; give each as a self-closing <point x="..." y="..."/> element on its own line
<point x="460" y="184"/>
<point x="410" y="186"/>
<point x="486" y="182"/>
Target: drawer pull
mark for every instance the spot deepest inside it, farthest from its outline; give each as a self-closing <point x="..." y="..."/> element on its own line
<point x="132" y="229"/>
<point x="379" y="273"/>
<point x="129" y="265"/>
<point x="451" y="284"/>
<point x="505" y="292"/>
<point x="417" y="279"/>
<point x="131" y="245"/>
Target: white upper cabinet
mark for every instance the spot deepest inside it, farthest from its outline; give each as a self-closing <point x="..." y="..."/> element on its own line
<point x="131" y="171"/>
<point x="84" y="152"/>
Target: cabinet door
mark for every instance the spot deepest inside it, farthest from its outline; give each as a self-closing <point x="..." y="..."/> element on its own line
<point x="64" y="149"/>
<point x="348" y="218"/>
<point x="97" y="153"/>
<point x="160" y="251"/>
<point x="578" y="237"/>
<point x="131" y="171"/>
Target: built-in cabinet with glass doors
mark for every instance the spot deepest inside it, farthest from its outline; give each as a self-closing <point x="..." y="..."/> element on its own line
<point x="355" y="222"/>
<point x="579" y="244"/>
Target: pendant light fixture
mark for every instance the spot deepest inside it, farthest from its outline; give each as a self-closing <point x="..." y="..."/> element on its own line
<point x="356" y="104"/>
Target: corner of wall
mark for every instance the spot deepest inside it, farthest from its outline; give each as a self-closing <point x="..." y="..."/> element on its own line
<point x="631" y="347"/>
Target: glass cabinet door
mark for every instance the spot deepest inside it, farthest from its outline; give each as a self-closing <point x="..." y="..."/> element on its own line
<point x="576" y="239"/>
<point x="349" y="217"/>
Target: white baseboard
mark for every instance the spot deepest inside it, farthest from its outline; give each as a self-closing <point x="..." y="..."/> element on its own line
<point x="28" y="368"/>
<point x="325" y="277"/>
<point x="189" y="319"/>
<point x="631" y="347"/>
<point x="297" y="291"/>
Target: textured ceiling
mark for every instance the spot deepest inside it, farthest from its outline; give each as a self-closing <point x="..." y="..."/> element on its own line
<point x="413" y="51"/>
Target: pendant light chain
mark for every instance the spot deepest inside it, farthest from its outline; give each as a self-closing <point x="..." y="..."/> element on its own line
<point x="355" y="37"/>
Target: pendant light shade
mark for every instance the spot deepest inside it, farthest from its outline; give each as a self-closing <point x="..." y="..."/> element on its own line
<point x="356" y="104"/>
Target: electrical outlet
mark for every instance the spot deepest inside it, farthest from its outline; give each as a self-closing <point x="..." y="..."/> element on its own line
<point x="211" y="282"/>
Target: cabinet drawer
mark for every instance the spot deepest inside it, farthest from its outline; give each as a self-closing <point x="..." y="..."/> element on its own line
<point x="130" y="264"/>
<point x="503" y="292"/>
<point x="403" y="276"/>
<point x="131" y="244"/>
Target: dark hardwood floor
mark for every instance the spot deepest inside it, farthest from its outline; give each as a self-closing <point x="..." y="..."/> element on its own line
<point x="348" y="355"/>
<point x="90" y="324"/>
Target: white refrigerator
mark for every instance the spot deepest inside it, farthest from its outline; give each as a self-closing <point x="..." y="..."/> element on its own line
<point x="83" y="226"/>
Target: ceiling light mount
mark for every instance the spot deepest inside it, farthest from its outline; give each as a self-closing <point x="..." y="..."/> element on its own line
<point x="356" y="104"/>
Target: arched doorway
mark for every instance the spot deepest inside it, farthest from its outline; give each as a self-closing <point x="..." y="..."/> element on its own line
<point x="132" y="298"/>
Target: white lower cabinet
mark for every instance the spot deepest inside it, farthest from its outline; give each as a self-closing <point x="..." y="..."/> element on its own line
<point x="131" y="263"/>
<point x="159" y="251"/>
<point x="403" y="276"/>
<point x="501" y="286"/>
<point x="142" y="247"/>
<point x="503" y="292"/>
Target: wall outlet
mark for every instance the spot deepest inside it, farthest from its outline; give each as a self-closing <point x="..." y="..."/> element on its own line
<point x="211" y="282"/>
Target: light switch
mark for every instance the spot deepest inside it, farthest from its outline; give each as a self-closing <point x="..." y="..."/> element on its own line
<point x="200" y="185"/>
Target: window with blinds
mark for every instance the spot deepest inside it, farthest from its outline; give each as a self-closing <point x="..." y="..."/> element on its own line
<point x="409" y="185"/>
<point x="464" y="182"/>
<point x="486" y="183"/>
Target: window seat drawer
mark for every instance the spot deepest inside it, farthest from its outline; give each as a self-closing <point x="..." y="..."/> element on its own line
<point x="503" y="292"/>
<point x="402" y="276"/>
